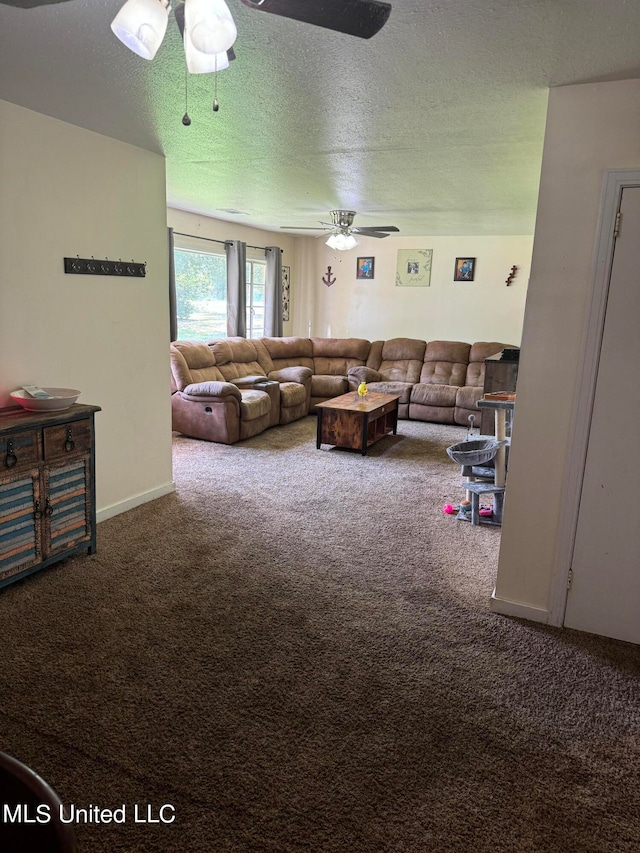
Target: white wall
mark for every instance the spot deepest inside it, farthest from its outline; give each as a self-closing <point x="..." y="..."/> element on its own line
<point x="482" y="310"/>
<point x="485" y="309"/>
<point x="590" y="128"/>
<point x="66" y="192"/>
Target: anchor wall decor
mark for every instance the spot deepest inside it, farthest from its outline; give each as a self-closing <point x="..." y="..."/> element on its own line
<point x="327" y="279"/>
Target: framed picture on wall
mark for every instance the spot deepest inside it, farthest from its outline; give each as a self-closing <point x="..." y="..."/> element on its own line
<point x="364" y="267"/>
<point x="286" y="293"/>
<point x="413" y="267"/>
<point x="464" y="269"/>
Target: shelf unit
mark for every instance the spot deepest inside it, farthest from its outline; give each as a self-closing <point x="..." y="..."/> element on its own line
<point x="47" y="488"/>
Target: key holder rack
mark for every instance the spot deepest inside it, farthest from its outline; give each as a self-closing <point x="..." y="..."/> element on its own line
<point x="93" y="266"/>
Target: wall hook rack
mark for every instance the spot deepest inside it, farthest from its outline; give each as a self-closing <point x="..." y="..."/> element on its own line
<point x="512" y="275"/>
<point x="94" y="266"/>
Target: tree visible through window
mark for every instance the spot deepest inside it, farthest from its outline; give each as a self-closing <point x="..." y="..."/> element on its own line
<point x="201" y="295"/>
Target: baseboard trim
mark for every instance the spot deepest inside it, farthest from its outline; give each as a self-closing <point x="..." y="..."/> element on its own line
<point x="136" y="500"/>
<point x="521" y="611"/>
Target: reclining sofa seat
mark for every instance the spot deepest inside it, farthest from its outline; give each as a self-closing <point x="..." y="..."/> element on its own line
<point x="393" y="367"/>
<point x="246" y="363"/>
<point x="237" y="360"/>
<point x="205" y="405"/>
<point x="451" y="381"/>
<point x="332" y="360"/>
<point x="288" y="360"/>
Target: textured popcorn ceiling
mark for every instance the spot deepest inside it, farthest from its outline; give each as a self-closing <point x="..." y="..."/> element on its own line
<point x="434" y="125"/>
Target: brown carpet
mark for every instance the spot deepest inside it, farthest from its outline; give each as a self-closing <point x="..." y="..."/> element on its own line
<point x="296" y="652"/>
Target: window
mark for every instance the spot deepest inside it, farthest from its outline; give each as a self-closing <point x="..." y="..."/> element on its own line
<point x="201" y="294"/>
<point x="255" y="298"/>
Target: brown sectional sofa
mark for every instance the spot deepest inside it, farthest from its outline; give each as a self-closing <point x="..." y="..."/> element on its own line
<point x="230" y="389"/>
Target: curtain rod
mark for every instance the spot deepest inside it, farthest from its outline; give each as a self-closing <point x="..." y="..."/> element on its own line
<point x="211" y="240"/>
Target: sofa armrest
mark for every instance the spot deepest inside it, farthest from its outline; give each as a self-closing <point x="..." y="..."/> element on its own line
<point x="199" y="391"/>
<point x="363" y="374"/>
<point x="248" y="381"/>
<point x="292" y="374"/>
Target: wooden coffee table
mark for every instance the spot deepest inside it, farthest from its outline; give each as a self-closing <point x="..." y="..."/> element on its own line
<point x="349" y="422"/>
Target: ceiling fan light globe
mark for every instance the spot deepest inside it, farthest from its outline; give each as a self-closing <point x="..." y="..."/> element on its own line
<point x="203" y="63"/>
<point x="210" y="26"/>
<point x="141" y="25"/>
<point x="342" y="242"/>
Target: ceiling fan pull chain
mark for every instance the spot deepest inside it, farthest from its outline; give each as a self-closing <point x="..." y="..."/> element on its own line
<point x="216" y="105"/>
<point x="186" y="121"/>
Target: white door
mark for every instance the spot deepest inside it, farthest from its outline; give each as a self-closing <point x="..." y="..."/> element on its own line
<point x="604" y="596"/>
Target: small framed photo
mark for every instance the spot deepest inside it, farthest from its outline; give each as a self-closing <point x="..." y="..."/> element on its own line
<point x="464" y="269"/>
<point x="364" y="268"/>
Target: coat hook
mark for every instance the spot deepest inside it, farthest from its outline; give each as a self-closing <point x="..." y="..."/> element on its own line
<point x="512" y="275"/>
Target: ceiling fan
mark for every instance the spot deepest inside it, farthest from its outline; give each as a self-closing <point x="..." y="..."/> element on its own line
<point x="342" y="229"/>
<point x="361" y="18"/>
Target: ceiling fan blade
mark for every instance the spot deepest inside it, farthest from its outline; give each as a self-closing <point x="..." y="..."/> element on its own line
<point x="365" y="229"/>
<point x="369" y="232"/>
<point x="304" y="228"/>
<point x="30" y="4"/>
<point x="361" y="18"/>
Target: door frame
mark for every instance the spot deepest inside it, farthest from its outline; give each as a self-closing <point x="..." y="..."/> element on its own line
<point x="615" y="181"/>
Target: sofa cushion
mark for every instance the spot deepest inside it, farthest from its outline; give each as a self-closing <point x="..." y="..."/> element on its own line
<point x="426" y="394"/>
<point x="402" y="388"/>
<point x="287" y="352"/>
<point x="250" y="380"/>
<point x="480" y="351"/>
<point x="467" y="396"/>
<point x="356" y="375"/>
<point x="328" y="386"/>
<point x="292" y="394"/>
<point x="236" y="358"/>
<point x="334" y="356"/>
<point x="254" y="404"/>
<point x="212" y="389"/>
<point x="352" y="348"/>
<point x="374" y="359"/>
<point x="192" y="361"/>
<point x="402" y="359"/>
<point x="445" y="363"/>
<point x="301" y="375"/>
<point x="403" y="349"/>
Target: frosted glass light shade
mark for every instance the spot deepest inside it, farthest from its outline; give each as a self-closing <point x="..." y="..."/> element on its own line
<point x="342" y="242"/>
<point x="141" y="25"/>
<point x="203" y="63"/>
<point x="210" y="25"/>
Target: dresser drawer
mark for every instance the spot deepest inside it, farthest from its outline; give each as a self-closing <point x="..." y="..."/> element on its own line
<point x="66" y="439"/>
<point x="19" y="449"/>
